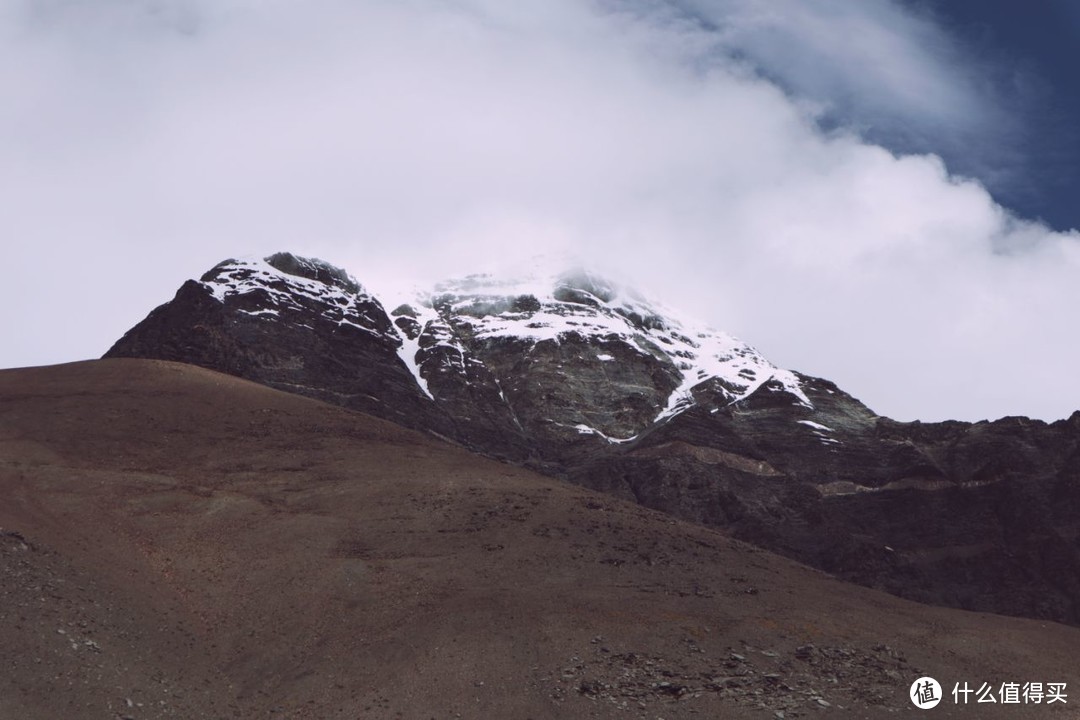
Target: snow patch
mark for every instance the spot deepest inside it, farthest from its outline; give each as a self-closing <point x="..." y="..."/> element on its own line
<point x="410" y="348"/>
<point x="815" y="425"/>
<point x="586" y="430"/>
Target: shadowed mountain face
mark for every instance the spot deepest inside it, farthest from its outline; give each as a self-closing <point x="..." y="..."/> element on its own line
<point x="572" y="376"/>
<point x="177" y="543"/>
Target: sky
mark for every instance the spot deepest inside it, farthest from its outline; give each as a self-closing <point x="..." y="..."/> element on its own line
<point x="877" y="192"/>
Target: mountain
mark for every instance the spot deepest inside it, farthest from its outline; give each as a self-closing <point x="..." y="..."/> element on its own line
<point x="531" y="370"/>
<point x="178" y="543"/>
<point x="570" y="375"/>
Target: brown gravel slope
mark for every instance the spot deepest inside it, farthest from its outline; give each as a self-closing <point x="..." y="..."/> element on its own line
<point x="177" y="543"/>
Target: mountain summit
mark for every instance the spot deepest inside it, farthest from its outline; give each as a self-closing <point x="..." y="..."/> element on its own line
<point x="572" y="375"/>
<point x="528" y="368"/>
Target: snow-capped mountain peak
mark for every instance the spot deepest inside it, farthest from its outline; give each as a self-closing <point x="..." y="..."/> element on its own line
<point x="546" y="357"/>
<point x="581" y="305"/>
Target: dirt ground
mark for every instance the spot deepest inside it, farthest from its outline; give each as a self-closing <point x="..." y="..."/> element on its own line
<point x="176" y="543"/>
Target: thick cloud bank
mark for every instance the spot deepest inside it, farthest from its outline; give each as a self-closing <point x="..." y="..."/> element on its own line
<point x="680" y="145"/>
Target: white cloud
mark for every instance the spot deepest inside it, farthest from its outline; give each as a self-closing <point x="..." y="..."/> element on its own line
<point x="146" y="141"/>
<point x="875" y="59"/>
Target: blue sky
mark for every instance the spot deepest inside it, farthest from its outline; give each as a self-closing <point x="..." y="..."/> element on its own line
<point x="1008" y="102"/>
<point x="1030" y="53"/>
<point x="873" y="191"/>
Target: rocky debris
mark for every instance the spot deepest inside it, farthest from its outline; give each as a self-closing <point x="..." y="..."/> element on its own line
<point x="786" y="684"/>
<point x="55" y="619"/>
<point x="570" y="375"/>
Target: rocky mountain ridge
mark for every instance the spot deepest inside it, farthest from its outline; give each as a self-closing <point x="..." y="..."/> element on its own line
<point x="580" y="379"/>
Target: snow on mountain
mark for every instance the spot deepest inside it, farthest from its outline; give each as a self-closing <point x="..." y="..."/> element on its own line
<point x="581" y="304"/>
<point x="286" y="282"/>
<point x="462" y="322"/>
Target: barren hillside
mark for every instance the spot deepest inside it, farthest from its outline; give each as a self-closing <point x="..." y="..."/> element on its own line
<point x="178" y="543"/>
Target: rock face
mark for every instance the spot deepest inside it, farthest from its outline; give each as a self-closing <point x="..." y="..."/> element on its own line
<point x="580" y="379"/>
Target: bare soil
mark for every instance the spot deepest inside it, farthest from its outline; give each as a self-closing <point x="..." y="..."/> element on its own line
<point x="177" y="543"/>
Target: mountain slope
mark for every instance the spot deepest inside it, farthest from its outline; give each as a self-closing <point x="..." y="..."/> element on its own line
<point x="180" y="543"/>
<point x="570" y="375"/>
